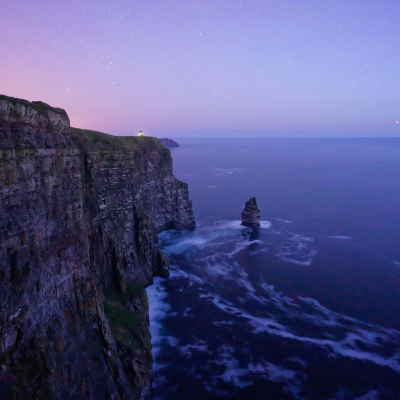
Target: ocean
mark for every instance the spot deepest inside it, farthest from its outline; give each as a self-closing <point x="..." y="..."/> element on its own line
<point x="307" y="306"/>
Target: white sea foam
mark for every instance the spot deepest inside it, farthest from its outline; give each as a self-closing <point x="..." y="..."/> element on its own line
<point x="295" y="249"/>
<point x="298" y="360"/>
<point x="305" y="263"/>
<point x="371" y="395"/>
<point x="242" y="246"/>
<point x="346" y="347"/>
<point x="274" y="372"/>
<point x="188" y="242"/>
<point x="320" y="308"/>
<point x="187" y="350"/>
<point x="224" y="224"/>
<point x="217" y="323"/>
<point x="283" y="220"/>
<point x="175" y="272"/>
<point x="186" y="313"/>
<point x="237" y="224"/>
<point x="242" y="377"/>
<point x="233" y="373"/>
<point x="221" y="233"/>
<point x="231" y="271"/>
<point x="158" y="308"/>
<point x="339" y="334"/>
<point x="280" y="300"/>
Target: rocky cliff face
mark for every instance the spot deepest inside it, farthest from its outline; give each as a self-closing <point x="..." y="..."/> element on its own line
<point x="79" y="216"/>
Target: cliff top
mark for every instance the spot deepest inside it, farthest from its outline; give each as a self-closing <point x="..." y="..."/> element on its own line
<point x="39" y="106"/>
<point x="105" y="142"/>
<point x="96" y="141"/>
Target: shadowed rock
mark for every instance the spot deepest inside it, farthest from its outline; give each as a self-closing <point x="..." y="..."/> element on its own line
<point x="168" y="143"/>
<point x="79" y="215"/>
<point x="251" y="214"/>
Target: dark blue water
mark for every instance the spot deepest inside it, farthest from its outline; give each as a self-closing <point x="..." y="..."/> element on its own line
<point x="308" y="306"/>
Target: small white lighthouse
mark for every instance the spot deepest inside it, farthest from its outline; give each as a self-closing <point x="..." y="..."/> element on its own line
<point x="141" y="133"/>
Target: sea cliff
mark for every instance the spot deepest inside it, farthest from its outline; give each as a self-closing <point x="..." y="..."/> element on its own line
<point x="79" y="216"/>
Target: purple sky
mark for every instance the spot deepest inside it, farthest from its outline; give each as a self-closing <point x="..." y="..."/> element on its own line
<point x="278" y="67"/>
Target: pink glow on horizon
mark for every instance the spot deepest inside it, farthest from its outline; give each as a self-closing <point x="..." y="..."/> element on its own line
<point x="258" y="66"/>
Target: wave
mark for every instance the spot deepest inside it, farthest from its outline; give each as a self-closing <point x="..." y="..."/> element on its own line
<point x="295" y="249"/>
<point x="371" y="395"/>
<point x="158" y="309"/>
<point x="346" y="347"/>
<point x="237" y="224"/>
<point x="221" y="233"/>
<point x="242" y="377"/>
<point x="206" y="265"/>
<point x="283" y="220"/>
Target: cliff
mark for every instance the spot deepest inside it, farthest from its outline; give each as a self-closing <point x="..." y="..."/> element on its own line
<point x="169" y="143"/>
<point x="79" y="216"/>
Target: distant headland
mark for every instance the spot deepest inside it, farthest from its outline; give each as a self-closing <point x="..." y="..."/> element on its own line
<point x="169" y="143"/>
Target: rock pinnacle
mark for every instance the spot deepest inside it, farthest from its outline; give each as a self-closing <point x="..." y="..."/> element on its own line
<point x="251" y="214"/>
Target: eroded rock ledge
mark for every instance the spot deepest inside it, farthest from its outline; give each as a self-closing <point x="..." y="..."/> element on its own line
<point x="79" y="216"/>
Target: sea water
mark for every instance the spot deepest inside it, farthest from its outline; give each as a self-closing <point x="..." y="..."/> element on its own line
<point x="307" y="306"/>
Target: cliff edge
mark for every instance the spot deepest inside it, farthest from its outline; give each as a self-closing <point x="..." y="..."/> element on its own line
<point x="79" y="216"/>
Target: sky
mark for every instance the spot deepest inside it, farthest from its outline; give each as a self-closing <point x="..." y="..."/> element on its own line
<point x="201" y="68"/>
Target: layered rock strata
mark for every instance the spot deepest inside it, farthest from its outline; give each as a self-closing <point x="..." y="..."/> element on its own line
<point x="251" y="214"/>
<point x="79" y="216"/>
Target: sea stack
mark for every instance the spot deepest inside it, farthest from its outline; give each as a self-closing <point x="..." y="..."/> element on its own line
<point x="251" y="214"/>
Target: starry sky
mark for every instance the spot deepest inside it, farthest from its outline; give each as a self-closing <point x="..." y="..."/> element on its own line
<point x="200" y="68"/>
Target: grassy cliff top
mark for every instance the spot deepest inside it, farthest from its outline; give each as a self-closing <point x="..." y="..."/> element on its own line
<point x="39" y="106"/>
<point x="105" y="142"/>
